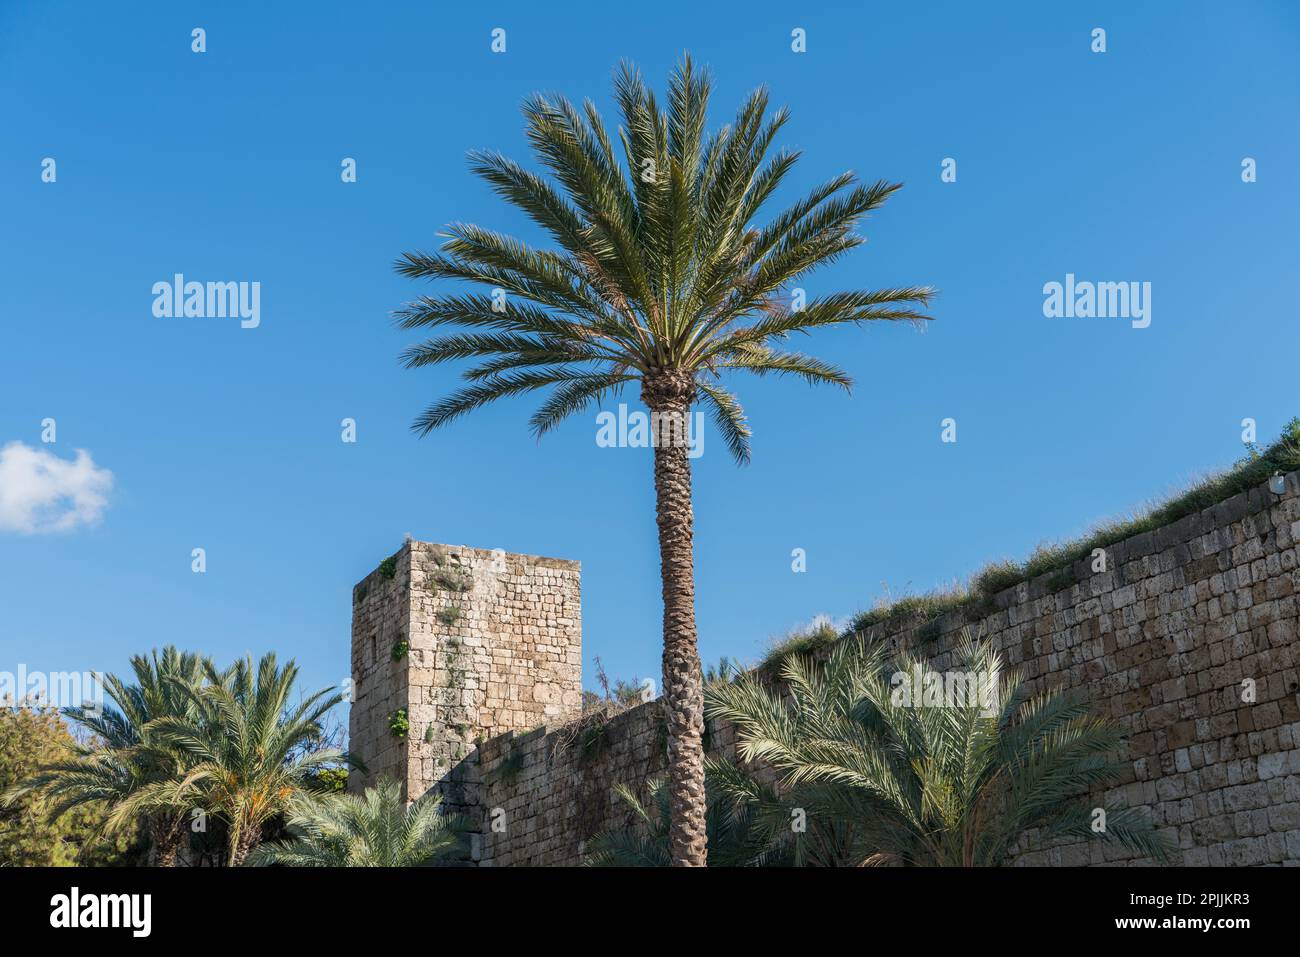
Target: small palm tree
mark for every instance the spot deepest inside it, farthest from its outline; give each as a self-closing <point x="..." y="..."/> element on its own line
<point x="122" y="760"/>
<point x="802" y="825"/>
<point x="645" y="842"/>
<point x="668" y="274"/>
<point x="932" y="768"/>
<point x="375" y="829"/>
<point x="251" y="752"/>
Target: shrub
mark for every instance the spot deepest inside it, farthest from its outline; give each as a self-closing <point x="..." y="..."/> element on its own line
<point x="456" y="580"/>
<point x="32" y="738"/>
<point x="330" y="780"/>
<point x="800" y="641"/>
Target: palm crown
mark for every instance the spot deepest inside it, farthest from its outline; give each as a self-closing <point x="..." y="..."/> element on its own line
<point x="375" y="829"/>
<point x="953" y="782"/>
<point x="250" y="749"/>
<point x="660" y="274"/>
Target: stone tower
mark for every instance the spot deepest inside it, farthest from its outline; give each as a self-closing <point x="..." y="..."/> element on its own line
<point x="464" y="645"/>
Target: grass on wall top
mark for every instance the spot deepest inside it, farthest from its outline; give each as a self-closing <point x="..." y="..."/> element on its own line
<point x="975" y="598"/>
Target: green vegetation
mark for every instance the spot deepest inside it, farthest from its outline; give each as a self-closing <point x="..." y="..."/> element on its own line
<point x="400" y="647"/>
<point x="613" y="696"/>
<point x="449" y="615"/>
<point x="644" y="842"/>
<point x="801" y="641"/>
<point x="125" y="762"/>
<point x="589" y="732"/>
<point x="248" y="749"/>
<point x="376" y="829"/>
<point x="595" y="736"/>
<point x="388" y="568"/>
<point x="186" y="742"/>
<point x="30" y="836"/>
<point x="622" y="695"/>
<point x="330" y="780"/>
<point x="882" y="777"/>
<point x="725" y="670"/>
<point x="398" y="723"/>
<point x="454" y="657"/>
<point x="455" y="580"/>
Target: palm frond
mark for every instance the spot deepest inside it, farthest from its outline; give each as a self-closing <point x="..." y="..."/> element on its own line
<point x="665" y="261"/>
<point x="949" y="782"/>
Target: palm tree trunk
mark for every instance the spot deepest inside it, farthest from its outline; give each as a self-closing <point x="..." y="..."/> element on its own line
<point x="165" y="834"/>
<point x="250" y="835"/>
<point x="669" y="397"/>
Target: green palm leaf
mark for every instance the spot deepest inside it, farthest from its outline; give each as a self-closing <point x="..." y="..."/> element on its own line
<point x="375" y="829"/>
<point x="957" y="781"/>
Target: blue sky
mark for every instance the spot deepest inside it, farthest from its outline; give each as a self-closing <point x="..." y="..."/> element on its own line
<point x="1115" y="166"/>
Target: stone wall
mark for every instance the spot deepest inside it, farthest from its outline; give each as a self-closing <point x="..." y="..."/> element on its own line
<point x="1169" y="639"/>
<point x="545" y="793"/>
<point x="493" y="645"/>
<point x="381" y="616"/>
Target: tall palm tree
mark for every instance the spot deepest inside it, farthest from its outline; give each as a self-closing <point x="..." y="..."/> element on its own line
<point x="944" y="779"/>
<point x="251" y="751"/>
<point x="122" y="760"/>
<point x="375" y="829"/>
<point x="667" y="271"/>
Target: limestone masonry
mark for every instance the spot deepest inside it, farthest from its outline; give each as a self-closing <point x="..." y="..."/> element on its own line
<point x="464" y="644"/>
<point x="1188" y="638"/>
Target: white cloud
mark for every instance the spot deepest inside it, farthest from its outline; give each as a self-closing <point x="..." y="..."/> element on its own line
<point x="40" y="492"/>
